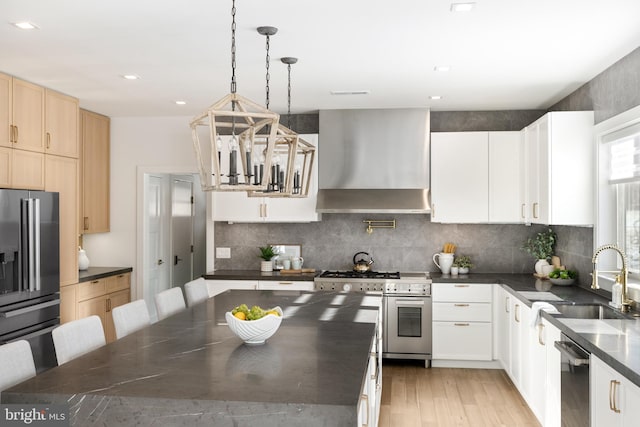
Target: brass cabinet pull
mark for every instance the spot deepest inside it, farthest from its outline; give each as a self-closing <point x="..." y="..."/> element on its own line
<point x="461" y="305"/>
<point x="15" y="134"/>
<point x="522" y="210"/>
<point x="120" y="276"/>
<point x="108" y="305"/>
<point x="460" y="286"/>
<point x="86" y="223"/>
<point x="365" y="403"/>
<point x="540" y="328"/>
<point x="48" y="140"/>
<point x="461" y="324"/>
<point x="433" y="211"/>
<point x="516" y="313"/>
<point x="613" y="386"/>
<point x="506" y="304"/>
<point x="11" y="133"/>
<point x="95" y="281"/>
<point x="286" y="283"/>
<point x="535" y="210"/>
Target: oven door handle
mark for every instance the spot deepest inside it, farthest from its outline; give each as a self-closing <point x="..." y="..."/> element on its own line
<point x="409" y="302"/>
<point x="29" y="309"/>
<point x="573" y="355"/>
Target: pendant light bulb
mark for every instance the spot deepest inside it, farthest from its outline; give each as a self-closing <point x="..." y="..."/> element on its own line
<point x="219" y="143"/>
<point x="233" y="143"/>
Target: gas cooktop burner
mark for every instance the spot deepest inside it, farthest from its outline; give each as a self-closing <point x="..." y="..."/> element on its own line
<point x="348" y="274"/>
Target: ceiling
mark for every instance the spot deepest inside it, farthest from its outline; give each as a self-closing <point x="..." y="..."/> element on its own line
<point x="505" y="54"/>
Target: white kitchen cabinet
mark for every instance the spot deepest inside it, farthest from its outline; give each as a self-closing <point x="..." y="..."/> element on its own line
<point x="215" y="287"/>
<point x="552" y="388"/>
<point x="462" y="321"/>
<point x="475" y="177"/>
<point x="285" y="285"/>
<point x="537" y="369"/>
<point x="519" y="336"/>
<point x="237" y="206"/>
<point x="501" y="306"/>
<point x="559" y="169"/>
<point x="614" y="399"/>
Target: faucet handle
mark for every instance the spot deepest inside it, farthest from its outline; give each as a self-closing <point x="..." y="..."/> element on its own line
<point x="594" y="279"/>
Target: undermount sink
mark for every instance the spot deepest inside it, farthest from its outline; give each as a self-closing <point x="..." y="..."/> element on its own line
<point x="589" y="311"/>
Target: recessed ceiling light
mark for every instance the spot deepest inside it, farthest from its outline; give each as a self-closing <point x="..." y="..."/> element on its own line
<point x="130" y="77"/>
<point x="442" y="68"/>
<point x="26" y="25"/>
<point x="181" y="103"/>
<point x="462" y="7"/>
<point x="435" y="97"/>
<point x="350" y="92"/>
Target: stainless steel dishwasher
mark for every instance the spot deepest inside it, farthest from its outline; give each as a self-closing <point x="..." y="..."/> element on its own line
<point x="574" y="383"/>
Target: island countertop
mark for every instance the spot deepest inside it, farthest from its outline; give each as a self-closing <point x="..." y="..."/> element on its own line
<point x="190" y="369"/>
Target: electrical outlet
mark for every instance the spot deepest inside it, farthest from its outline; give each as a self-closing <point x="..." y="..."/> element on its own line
<point x="223" y="253"/>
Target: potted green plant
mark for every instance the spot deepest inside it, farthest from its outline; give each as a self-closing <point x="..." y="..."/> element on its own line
<point x="463" y="264"/>
<point x="541" y="248"/>
<point x="266" y="253"/>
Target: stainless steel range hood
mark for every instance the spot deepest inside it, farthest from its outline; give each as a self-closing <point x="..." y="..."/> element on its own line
<point x="374" y="161"/>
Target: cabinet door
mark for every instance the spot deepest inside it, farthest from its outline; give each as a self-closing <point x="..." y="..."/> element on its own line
<point x="114" y="300"/>
<point x="28" y="116"/>
<point x="68" y="305"/>
<point x="504" y="177"/>
<point x="94" y="306"/>
<point x="95" y="172"/>
<point x="459" y="177"/>
<point x="61" y="175"/>
<point x="236" y="206"/>
<point x="215" y="287"/>
<point x="462" y="340"/>
<point x="502" y="307"/>
<point x="552" y="391"/>
<point x="533" y="173"/>
<point x="462" y="292"/>
<point x="61" y="124"/>
<point x="544" y="172"/>
<point x="6" y="131"/>
<point x="5" y="167"/>
<point x="537" y="370"/>
<point x="519" y="333"/>
<point x="603" y="381"/>
<point x="27" y="170"/>
<point x="118" y="282"/>
<point x="92" y="289"/>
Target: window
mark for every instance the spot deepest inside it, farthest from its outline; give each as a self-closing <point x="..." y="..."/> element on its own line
<point x="623" y="170"/>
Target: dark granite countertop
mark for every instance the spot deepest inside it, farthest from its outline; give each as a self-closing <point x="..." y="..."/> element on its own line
<point x="190" y="369"/>
<point x="616" y="342"/>
<point x="95" y="273"/>
<point x="258" y="275"/>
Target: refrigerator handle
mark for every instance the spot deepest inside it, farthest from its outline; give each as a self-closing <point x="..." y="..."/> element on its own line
<point x="31" y="244"/>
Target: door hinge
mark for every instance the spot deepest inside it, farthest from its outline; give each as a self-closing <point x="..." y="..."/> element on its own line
<point x="192" y="200"/>
<point x="191" y="248"/>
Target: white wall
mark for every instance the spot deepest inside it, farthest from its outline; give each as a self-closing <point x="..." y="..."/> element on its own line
<point x="158" y="144"/>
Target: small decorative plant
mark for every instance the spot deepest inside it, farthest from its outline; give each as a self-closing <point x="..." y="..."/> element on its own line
<point x="541" y="247"/>
<point x="463" y="261"/>
<point x="267" y="253"/>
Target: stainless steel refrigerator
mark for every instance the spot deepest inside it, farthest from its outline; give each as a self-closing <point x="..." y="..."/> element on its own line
<point x="30" y="271"/>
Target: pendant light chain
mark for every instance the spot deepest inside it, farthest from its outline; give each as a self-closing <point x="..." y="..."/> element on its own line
<point x="233" y="46"/>
<point x="268" y="59"/>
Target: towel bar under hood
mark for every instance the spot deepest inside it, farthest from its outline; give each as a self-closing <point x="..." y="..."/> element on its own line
<point x="374" y="161"/>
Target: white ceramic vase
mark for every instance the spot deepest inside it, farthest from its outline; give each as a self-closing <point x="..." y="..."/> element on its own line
<point x="266" y="266"/>
<point x="539" y="264"/>
<point x="463" y="270"/>
<point x="83" y="260"/>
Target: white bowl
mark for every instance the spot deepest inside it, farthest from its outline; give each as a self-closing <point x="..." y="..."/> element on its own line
<point x="255" y="331"/>
<point x="563" y="282"/>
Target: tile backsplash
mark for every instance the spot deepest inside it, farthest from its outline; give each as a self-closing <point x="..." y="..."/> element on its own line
<point x="332" y="242"/>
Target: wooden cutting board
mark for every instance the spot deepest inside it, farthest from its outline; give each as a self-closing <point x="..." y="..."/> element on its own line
<point x="303" y="270"/>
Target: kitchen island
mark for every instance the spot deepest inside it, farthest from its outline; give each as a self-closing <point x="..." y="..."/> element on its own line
<point x="191" y="370"/>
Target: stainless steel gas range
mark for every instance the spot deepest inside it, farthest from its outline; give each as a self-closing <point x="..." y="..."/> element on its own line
<point x="406" y="305"/>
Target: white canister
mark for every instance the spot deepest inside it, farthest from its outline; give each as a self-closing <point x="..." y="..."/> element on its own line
<point x="296" y="263"/>
<point x="446" y="259"/>
<point x="83" y="260"/>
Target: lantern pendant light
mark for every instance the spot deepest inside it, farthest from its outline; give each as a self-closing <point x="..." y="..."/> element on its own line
<point x="242" y="119"/>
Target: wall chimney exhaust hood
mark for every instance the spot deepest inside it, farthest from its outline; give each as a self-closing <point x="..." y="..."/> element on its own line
<point x="374" y="161"/>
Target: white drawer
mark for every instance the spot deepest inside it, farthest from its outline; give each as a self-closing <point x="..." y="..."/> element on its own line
<point x="462" y="311"/>
<point x="461" y="292"/>
<point x="462" y="341"/>
<point x="286" y="285"/>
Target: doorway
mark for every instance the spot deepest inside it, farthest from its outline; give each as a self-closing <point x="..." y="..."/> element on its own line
<point x="174" y="233"/>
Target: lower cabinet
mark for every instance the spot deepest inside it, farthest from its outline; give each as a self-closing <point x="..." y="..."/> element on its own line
<point x="552" y="387"/>
<point x="215" y="287"/>
<point x="284" y="285"/>
<point x="462" y="322"/>
<point x="95" y="297"/>
<point x="614" y="399"/>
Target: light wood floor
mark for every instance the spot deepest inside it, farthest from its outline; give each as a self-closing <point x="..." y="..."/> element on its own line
<point x="413" y="396"/>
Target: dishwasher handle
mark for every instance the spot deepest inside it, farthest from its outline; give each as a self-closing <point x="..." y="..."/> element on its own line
<point x="574" y="355"/>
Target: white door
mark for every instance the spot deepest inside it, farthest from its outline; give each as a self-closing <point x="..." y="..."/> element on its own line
<point x="181" y="231"/>
<point x="156" y="260"/>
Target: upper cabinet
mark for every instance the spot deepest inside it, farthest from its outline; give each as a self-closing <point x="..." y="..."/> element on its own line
<point x="95" y="172"/>
<point x="559" y="169"/>
<point x="27" y="116"/>
<point x="237" y="206"/>
<point x="475" y="177"/>
<point x="61" y="124"/>
<point x="6" y="124"/>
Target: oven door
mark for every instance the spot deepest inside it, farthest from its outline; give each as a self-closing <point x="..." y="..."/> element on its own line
<point x="408" y="324"/>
